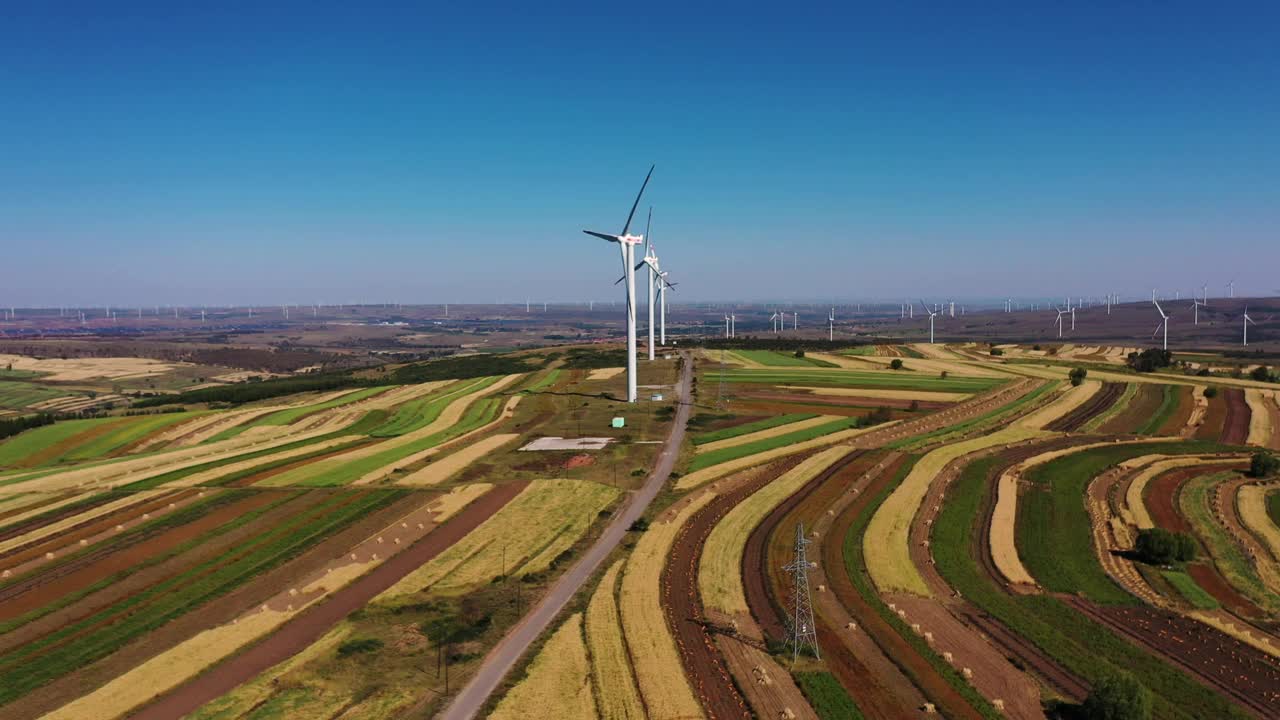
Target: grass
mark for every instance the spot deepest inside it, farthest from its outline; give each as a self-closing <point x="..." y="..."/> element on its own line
<point x="887" y="549"/>
<point x="559" y="679"/>
<point x="536" y="527"/>
<point x="1273" y="507"/>
<point x="421" y="412"/>
<point x="17" y="395"/>
<point x="544" y="382"/>
<point x="289" y="416"/>
<point x="719" y="571"/>
<point x="859" y="351"/>
<point x="23" y="446"/>
<point x="748" y="428"/>
<point x="986" y="419"/>
<point x="715" y="457"/>
<point x="1227" y="556"/>
<point x="130" y="431"/>
<point x="773" y="358"/>
<point x="659" y="672"/>
<point x="856" y="568"/>
<point x="899" y="380"/>
<point x="1082" y="646"/>
<point x="98" y="635"/>
<point x="1168" y="406"/>
<point x="1188" y="588"/>
<point x="827" y="696"/>
<point x="617" y="697"/>
<point x="1054" y="532"/>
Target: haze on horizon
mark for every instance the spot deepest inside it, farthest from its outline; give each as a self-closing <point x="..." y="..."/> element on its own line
<point x="154" y="153"/>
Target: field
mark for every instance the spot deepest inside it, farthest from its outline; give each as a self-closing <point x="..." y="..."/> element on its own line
<point x="372" y="542"/>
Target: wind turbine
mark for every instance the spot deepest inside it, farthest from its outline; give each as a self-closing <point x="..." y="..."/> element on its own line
<point x="626" y="246"/>
<point x="1195" y="307"/>
<point x="726" y="326"/>
<point x="1231" y="289"/>
<point x="932" y="313"/>
<point x="831" y="325"/>
<point x="774" y="319"/>
<point x="1058" y="320"/>
<point x="1164" y="322"/>
<point x="663" y="286"/>
<point x="1247" y="320"/>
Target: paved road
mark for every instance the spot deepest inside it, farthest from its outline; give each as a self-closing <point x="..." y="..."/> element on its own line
<point x="504" y="655"/>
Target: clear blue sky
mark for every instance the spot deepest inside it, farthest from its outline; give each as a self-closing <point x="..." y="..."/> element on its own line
<point x="152" y="153"/>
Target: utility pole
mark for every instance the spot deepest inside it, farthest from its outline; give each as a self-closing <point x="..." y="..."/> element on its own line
<point x="801" y="630"/>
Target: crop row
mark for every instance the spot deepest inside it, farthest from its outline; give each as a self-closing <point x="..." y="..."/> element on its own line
<point x="748" y="428"/>
<point x="989" y="419"/>
<point x="855" y="378"/>
<point x="715" y="457"/>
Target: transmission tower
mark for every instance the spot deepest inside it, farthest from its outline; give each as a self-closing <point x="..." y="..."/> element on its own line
<point x="800" y="613"/>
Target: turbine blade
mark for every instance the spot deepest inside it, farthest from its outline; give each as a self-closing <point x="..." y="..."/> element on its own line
<point x="648" y="244"/>
<point x="636" y="204"/>
<point x="602" y="236"/>
<point x="624" y="277"/>
<point x="1153" y="332"/>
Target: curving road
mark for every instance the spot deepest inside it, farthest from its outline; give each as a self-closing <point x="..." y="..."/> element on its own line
<point x="504" y="655"/>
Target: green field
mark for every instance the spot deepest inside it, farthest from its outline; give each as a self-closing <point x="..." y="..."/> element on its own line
<point x="1054" y="538"/>
<point x="827" y="696"/>
<point x="715" y="457"/>
<point x="547" y="380"/>
<point x="1227" y="556"/>
<point x="1188" y="588"/>
<point x="18" y="395"/>
<point x="859" y="351"/>
<point x="986" y="419"/>
<point x="1082" y="646"/>
<point x="1122" y="402"/>
<point x="887" y="379"/>
<point x="748" y="428"/>
<point x="1168" y="406"/>
<point x="20" y="447"/>
<point x="773" y="358"/>
<point x="292" y="415"/>
<point x="1273" y="507"/>
<point x="421" y="412"/>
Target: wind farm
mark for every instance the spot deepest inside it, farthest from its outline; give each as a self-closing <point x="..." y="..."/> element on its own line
<point x="323" y="396"/>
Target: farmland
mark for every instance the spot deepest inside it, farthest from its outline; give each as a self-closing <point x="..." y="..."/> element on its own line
<point x="366" y="548"/>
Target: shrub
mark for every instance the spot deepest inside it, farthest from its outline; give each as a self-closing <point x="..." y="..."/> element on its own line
<point x="1211" y="392"/>
<point x="1118" y="697"/>
<point x="800" y="353"/>
<point x="996" y="352"/>
<point x="358" y="646"/>
<point x="1263" y="464"/>
<point x="943" y="374"/>
<point x="895" y="364"/>
<point x="1160" y="547"/>
<point x="1078" y="375"/>
<point x="1261" y="374"/>
<point x="639" y="525"/>
<point x="1150" y="359"/>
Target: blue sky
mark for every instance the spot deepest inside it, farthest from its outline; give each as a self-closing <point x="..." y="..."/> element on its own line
<point x="152" y="153"/>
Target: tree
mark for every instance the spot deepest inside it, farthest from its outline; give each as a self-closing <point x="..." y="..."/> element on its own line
<point x="1078" y="375"/>
<point x="895" y="364"/>
<point x="996" y="352"/>
<point x="1118" y="697"/>
<point x="1161" y="547"/>
<point x="800" y="353"/>
<point x="1211" y="392"/>
<point x="943" y="374"/>
<point x="1261" y="374"/>
<point x="1150" y="359"/>
<point x="1263" y="464"/>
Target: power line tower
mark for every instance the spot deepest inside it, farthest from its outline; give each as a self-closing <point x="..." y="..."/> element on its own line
<point x="800" y="613"/>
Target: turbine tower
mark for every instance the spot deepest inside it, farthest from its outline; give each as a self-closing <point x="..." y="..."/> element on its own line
<point x="663" y="286"/>
<point x="831" y="325"/>
<point x="1164" y="322"/>
<point x="932" y="314"/>
<point x="1058" y="320"/>
<point x="626" y="246"/>
<point x="1248" y="320"/>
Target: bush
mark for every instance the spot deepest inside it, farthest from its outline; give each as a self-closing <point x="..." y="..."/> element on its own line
<point x="358" y="646"/>
<point x="1161" y="547"/>
<point x="639" y="525"/>
<point x="996" y="352"/>
<point x="1261" y="374"/>
<point x="1118" y="697"/>
<point x="800" y="353"/>
<point x="895" y="364"/>
<point x="943" y="374"/>
<point x="1263" y="464"/>
<point x="1211" y="392"/>
<point x="1150" y="359"/>
<point x="1078" y="375"/>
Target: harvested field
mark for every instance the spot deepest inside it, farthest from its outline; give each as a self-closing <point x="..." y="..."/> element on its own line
<point x="1062" y="406"/>
<point x="1162" y="497"/>
<point x="766" y="433"/>
<point x="1262" y="409"/>
<point x="694" y="479"/>
<point x="924" y="396"/>
<point x="617" y="696"/>
<point x="1235" y="427"/>
<point x="1197" y="505"/>
<point x="1252" y="505"/>
<point x="1145" y="404"/>
<point x="559" y="678"/>
<point x="657" y="662"/>
<point x="1093" y="407"/>
<point x="738" y="426"/>
<point x="1184" y="406"/>
<point x="605" y="373"/>
<point x="81" y="369"/>
<point x="456" y="462"/>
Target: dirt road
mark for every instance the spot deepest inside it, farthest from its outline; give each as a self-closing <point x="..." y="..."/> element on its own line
<point x="504" y="655"/>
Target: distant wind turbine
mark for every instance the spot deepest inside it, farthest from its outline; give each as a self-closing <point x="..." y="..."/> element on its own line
<point x="1247" y="320"/>
<point x="1164" y="323"/>
<point x="932" y="314"/>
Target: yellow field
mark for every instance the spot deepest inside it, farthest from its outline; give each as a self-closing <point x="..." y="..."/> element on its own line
<point x="924" y="395"/>
<point x="559" y="680"/>
<point x="719" y="576"/>
<point x="442" y="469"/>
<point x="767" y="433"/>
<point x="540" y="523"/>
<point x="78" y="518"/>
<point x="886" y="542"/>
<point x="605" y="373"/>
<point x="659" y="674"/>
<point x="616" y="693"/>
<point x="1061" y="406"/>
<point x="1259" y="416"/>
<point x="694" y="479"/>
<point x="81" y="369"/>
<point x="1004" y="549"/>
<point x="1252" y="506"/>
<point x="1137" y="486"/>
<point x="934" y="366"/>
<point x="449" y="504"/>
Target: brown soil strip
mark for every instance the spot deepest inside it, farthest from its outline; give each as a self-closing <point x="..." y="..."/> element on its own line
<point x="1207" y="577"/>
<point x="1146" y="401"/>
<point x="713" y="684"/>
<point x="48" y="499"/>
<point x="1181" y="415"/>
<point x="259" y="477"/>
<point x="1092" y="407"/>
<point x="1161" y="498"/>
<point x="1235" y="430"/>
<point x="26" y="526"/>
<point x="865" y="403"/>
<point x="1244" y="674"/>
<point x="948" y="700"/>
<point x="148" y="505"/>
<point x="313" y="623"/>
<point x="1214" y="418"/>
<point x="773" y="406"/>
<point x="216" y="612"/>
<point x="84" y="571"/>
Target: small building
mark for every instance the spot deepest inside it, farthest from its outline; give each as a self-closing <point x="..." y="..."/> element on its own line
<point x="619" y="422"/>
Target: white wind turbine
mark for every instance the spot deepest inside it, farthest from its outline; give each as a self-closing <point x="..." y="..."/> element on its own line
<point x="932" y="314"/>
<point x="1231" y="289"/>
<point x="774" y="319"/>
<point x="1195" y="307"/>
<point x="626" y="245"/>
<point x="1164" y="323"/>
<point x="726" y="326"/>
<point x="831" y="325"/>
<point x="663" y="286"/>
<point x="1058" y="320"/>
<point x="1247" y="320"/>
